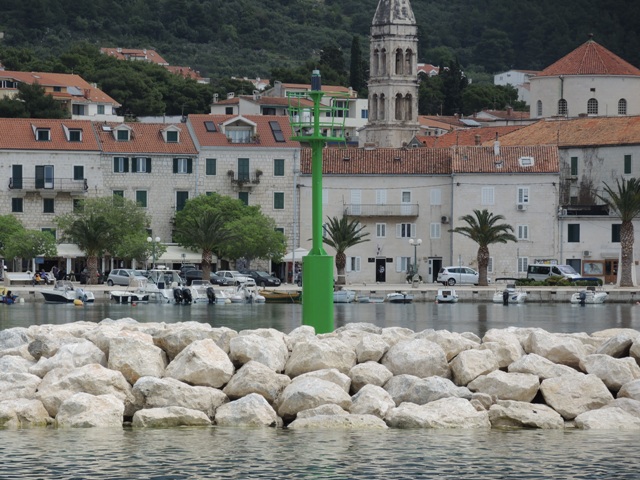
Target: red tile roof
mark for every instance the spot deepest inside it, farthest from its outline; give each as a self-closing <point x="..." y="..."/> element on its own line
<point x="467" y="136"/>
<point x="590" y="58"/>
<point x="18" y="134"/>
<point x="145" y="138"/>
<point x="186" y="72"/>
<point x="509" y="114"/>
<point x="579" y="132"/>
<point x="263" y="129"/>
<point x="440" y="121"/>
<point x="142" y="53"/>
<point x="484" y="159"/>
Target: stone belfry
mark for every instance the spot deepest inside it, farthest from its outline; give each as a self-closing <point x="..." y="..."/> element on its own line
<point x="393" y="85"/>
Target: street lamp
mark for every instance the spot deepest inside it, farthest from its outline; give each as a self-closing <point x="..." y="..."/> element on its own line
<point x="416" y="243"/>
<point x="153" y="242"/>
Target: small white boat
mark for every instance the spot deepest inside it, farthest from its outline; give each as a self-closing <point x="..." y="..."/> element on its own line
<point x="589" y="296"/>
<point x="399" y="297"/>
<point x="510" y="293"/>
<point x="161" y="284"/>
<point x="344" y="296"/>
<point x="247" y="294"/>
<point x="134" y="293"/>
<point x="363" y="298"/>
<point x="64" y="292"/>
<point x="446" y="295"/>
<point x="204" y="291"/>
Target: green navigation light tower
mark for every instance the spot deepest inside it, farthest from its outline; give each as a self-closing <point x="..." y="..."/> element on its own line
<point x="316" y="123"/>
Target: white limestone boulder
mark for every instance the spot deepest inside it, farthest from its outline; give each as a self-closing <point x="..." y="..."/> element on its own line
<point x="614" y="372"/>
<point x="628" y="390"/>
<point x="541" y="367"/>
<point x="338" y="422"/>
<point x="330" y="375"/>
<point x="103" y="335"/>
<point x="326" y="409"/>
<point x="169" y="417"/>
<point x="372" y="400"/>
<point x="629" y="405"/>
<point x="607" y="419"/>
<point x="86" y="410"/>
<point x="619" y="345"/>
<point x="470" y="364"/>
<point x="250" y="411"/>
<point x="371" y="348"/>
<point x="318" y="354"/>
<point x="136" y="358"/>
<point x="309" y="393"/>
<point x="178" y="336"/>
<point x="513" y="414"/>
<point x="15" y="385"/>
<point x="70" y="355"/>
<point x="444" y="413"/>
<point x="571" y="395"/>
<point x="269" y="351"/>
<point x="23" y="412"/>
<point x="419" y="357"/>
<point x="393" y="335"/>
<point x="505" y="353"/>
<point x="564" y="350"/>
<point x="151" y="392"/>
<point x="255" y="377"/>
<point x="12" y="338"/>
<point x="522" y="387"/>
<point x="506" y="337"/>
<point x="60" y="384"/>
<point x="409" y="388"/>
<point x="451" y="343"/>
<point x="15" y="364"/>
<point x="368" y="373"/>
<point x="202" y="363"/>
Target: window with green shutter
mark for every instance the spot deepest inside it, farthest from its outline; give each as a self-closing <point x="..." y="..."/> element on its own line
<point x="210" y="166"/>
<point x="141" y="198"/>
<point x="278" y="200"/>
<point x="78" y="172"/>
<point x="181" y="200"/>
<point x="627" y="164"/>
<point x="278" y="167"/>
<point x="244" y="197"/>
<point x="243" y="169"/>
<point x="574" y="166"/>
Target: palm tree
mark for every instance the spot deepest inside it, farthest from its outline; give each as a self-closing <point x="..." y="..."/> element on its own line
<point x="625" y="202"/>
<point x="342" y="234"/>
<point x="206" y="232"/>
<point x="484" y="230"/>
<point x="88" y="232"/>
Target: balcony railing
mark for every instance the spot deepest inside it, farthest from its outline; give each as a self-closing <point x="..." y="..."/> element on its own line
<point x="386" y="210"/>
<point x="45" y="185"/>
<point x="242" y="179"/>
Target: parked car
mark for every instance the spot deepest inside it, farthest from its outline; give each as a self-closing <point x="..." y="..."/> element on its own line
<point x="234" y="277"/>
<point x="122" y="276"/>
<point x="186" y="267"/>
<point x="452" y="275"/>
<point x="191" y="275"/>
<point x="262" y="279"/>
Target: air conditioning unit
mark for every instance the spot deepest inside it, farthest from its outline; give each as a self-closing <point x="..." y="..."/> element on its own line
<point x="522" y="207"/>
<point x="586" y="253"/>
<point x="444" y="219"/>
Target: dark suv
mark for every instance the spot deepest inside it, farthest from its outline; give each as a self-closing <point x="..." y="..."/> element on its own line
<point x="263" y="279"/>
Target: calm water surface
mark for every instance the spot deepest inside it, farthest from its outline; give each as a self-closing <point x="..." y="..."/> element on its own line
<point x="222" y="453"/>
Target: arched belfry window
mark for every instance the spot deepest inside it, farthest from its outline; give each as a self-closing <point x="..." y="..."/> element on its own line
<point x="592" y="106"/>
<point x="399" y="62"/>
<point x="375" y="61"/>
<point x="539" y="108"/>
<point x="383" y="62"/>
<point x="622" y="106"/>
<point x="382" y="111"/>
<point x="562" y="107"/>
<point x="408" y="61"/>
<point x="399" y="107"/>
<point x="408" y="108"/>
<point x="373" y="114"/>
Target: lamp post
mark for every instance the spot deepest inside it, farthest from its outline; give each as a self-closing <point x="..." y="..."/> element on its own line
<point x="415" y="243"/>
<point x="153" y="242"/>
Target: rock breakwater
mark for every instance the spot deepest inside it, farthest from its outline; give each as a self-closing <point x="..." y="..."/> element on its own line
<point x="122" y="372"/>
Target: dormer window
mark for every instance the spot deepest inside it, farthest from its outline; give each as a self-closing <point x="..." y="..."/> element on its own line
<point x="122" y="135"/>
<point x="72" y="134"/>
<point x="526" y="161"/>
<point x="171" y="134"/>
<point x="239" y="134"/>
<point x="43" y="134"/>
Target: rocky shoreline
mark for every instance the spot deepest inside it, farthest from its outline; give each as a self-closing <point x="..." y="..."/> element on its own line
<point x="122" y="372"/>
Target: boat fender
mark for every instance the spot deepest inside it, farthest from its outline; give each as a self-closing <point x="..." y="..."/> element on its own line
<point x="78" y="303"/>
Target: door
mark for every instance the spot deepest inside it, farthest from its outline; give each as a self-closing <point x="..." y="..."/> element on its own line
<point x="435" y="264"/>
<point x="611" y="271"/>
<point x="44" y="176"/>
<point x="16" y="176"/>
<point x="381" y="269"/>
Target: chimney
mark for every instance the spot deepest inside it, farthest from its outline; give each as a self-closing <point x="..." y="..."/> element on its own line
<point x="478" y="142"/>
<point x="496" y="146"/>
<point x="509" y="111"/>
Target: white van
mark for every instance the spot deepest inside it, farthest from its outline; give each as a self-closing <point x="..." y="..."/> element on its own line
<point x="541" y="272"/>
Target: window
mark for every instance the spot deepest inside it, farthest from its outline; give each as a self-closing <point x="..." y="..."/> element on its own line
<point x="364" y="113"/>
<point x="78" y="109"/>
<point x="489" y="266"/>
<point x="353" y="264"/>
<point x="278" y="167"/>
<point x="436" y="196"/>
<point x="523" y="195"/>
<point x="562" y="107"/>
<point x="118" y="193"/>
<point x="17" y="205"/>
<point x="122" y="135"/>
<point x="435" y="230"/>
<point x="77" y="205"/>
<point x="100" y="109"/>
<point x="52" y="231"/>
<point x="181" y="200"/>
<point x="75" y="135"/>
<point x="592" y="106"/>
<point x="120" y="164"/>
<point x="574" y="166"/>
<point x="381" y="197"/>
<point x="539" y="108"/>
<point x="228" y="111"/>
<point x="405" y="230"/>
<point x="141" y="198"/>
<point x="573" y="232"/>
<point x="210" y="126"/>
<point x="627" y="164"/>
<point x="278" y="136"/>
<point x="278" y="200"/>
<point x="523" y="263"/>
<point x="43" y="134"/>
<point x="622" y="107"/>
<point x="172" y="136"/>
<point x="244" y="197"/>
<point x="44" y="176"/>
<point x="356" y="202"/>
<point x="405" y="208"/>
<point x="243" y="169"/>
<point x="381" y="230"/>
<point x="210" y="166"/>
<point x="487" y="195"/>
<point x="16" y="177"/>
<point x="239" y="135"/>
<point x="48" y="205"/>
<point x="402" y="264"/>
<point x="523" y="232"/>
<point x="615" y="233"/>
<point x="141" y="165"/>
<point x="78" y="172"/>
<point x="182" y="165"/>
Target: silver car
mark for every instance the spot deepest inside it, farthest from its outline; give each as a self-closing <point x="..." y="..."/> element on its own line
<point x="452" y="275"/>
<point x="122" y="276"/>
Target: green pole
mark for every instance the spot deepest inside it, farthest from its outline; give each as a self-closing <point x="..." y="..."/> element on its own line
<point x="317" y="272"/>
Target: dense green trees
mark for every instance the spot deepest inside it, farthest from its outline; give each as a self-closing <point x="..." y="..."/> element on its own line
<point x="31" y="102"/>
<point x="18" y="242"/>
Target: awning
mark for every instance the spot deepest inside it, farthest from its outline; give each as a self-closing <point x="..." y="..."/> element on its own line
<point x="299" y="253"/>
<point x="174" y="254"/>
<point x="69" y="250"/>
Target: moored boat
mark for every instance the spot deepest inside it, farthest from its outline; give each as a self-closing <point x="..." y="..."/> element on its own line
<point x="589" y="296"/>
<point x="447" y="295"/>
<point x="344" y="296"/>
<point x="64" y="292"/>
<point x="281" y="296"/>
<point x="134" y="293"/>
<point x="510" y="293"/>
<point x="399" y="297"/>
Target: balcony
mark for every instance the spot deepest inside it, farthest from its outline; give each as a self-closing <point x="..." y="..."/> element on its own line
<point x="55" y="185"/>
<point x="244" y="179"/>
<point x="386" y="210"/>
